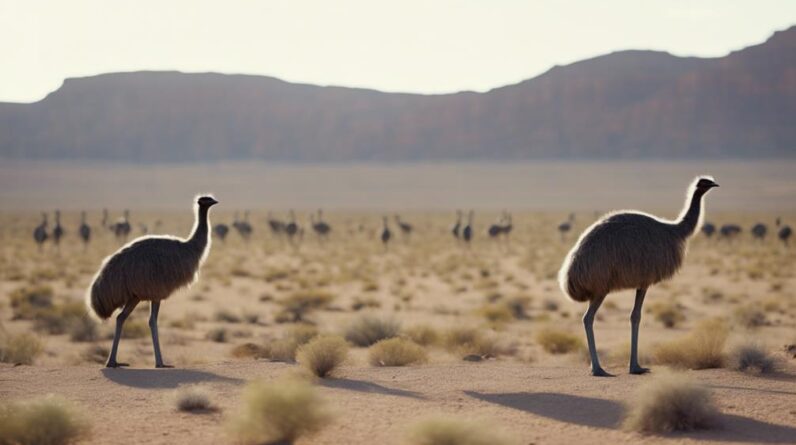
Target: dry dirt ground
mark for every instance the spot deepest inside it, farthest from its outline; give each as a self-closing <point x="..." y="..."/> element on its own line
<point x="532" y="395"/>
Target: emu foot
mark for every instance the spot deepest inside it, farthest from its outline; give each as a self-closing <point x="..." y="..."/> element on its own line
<point x="600" y="372"/>
<point x="163" y="365"/>
<point x="115" y="364"/>
<point x="638" y="370"/>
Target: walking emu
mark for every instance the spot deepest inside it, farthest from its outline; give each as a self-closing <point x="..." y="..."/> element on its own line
<point x="467" y="231"/>
<point x="149" y="268"/>
<point x="759" y="231"/>
<point x="456" y="227"/>
<point x="58" y="230"/>
<point x="221" y="230"/>
<point x="321" y="227"/>
<point x="85" y="230"/>
<point x="784" y="234"/>
<point x="628" y="250"/>
<point x="385" y="233"/>
<point x="708" y="229"/>
<point x="40" y="232"/>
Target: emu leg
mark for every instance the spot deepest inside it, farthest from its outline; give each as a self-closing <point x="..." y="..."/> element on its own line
<point x="153" y="327"/>
<point x="635" y="322"/>
<point x="588" y="322"/>
<point x="126" y="310"/>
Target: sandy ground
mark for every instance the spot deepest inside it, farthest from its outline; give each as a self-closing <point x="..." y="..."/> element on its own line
<point x="531" y="395"/>
<point x="532" y="404"/>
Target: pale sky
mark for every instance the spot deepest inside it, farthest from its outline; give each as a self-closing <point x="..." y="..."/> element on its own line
<point x="424" y="46"/>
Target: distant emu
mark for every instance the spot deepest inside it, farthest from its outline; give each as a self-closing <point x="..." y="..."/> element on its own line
<point x="149" y="268"/>
<point x="276" y="226"/>
<point x="628" y="250"/>
<point x="84" y="230"/>
<point x="467" y="231"/>
<point x="784" y="234"/>
<point x="122" y="227"/>
<point x="40" y="232"/>
<point x="566" y="226"/>
<point x="729" y="231"/>
<point x="58" y="230"/>
<point x="406" y="228"/>
<point x="759" y="231"/>
<point x="221" y="230"/>
<point x="456" y="228"/>
<point x="708" y="229"/>
<point x="321" y="227"/>
<point x="385" y="233"/>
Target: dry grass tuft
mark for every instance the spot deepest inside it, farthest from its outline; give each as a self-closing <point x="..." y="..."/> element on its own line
<point x="193" y="399"/>
<point x="279" y="412"/>
<point x="556" y="341"/>
<point x="668" y="313"/>
<point x="50" y="420"/>
<point x="750" y="316"/>
<point x="670" y="402"/>
<point x="396" y="352"/>
<point x="28" y="301"/>
<point x="423" y="335"/>
<point x="369" y="329"/>
<point x="702" y="348"/>
<point x="751" y="358"/>
<point x="323" y="354"/>
<point x="445" y="431"/>
<point x="296" y="307"/>
<point x="135" y="329"/>
<point x="496" y="313"/>
<point x="20" y="349"/>
<point x="464" y="341"/>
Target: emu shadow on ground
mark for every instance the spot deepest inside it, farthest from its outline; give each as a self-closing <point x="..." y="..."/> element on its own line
<point x="163" y="378"/>
<point x="364" y="386"/>
<point x="586" y="411"/>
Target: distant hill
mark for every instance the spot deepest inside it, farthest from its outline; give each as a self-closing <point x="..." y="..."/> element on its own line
<point x="629" y="104"/>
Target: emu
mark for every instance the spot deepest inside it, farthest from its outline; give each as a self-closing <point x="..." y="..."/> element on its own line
<point x="467" y="231"/>
<point x="321" y="228"/>
<point x="406" y="228"/>
<point x="149" y="268"/>
<point x="40" y="232"/>
<point x="628" y="250"/>
<point x="122" y="227"/>
<point x="566" y="226"/>
<point x="58" y="230"/>
<point x="708" y="229"/>
<point x="385" y="233"/>
<point x="276" y="226"/>
<point x="221" y="230"/>
<point x="759" y="231"/>
<point x="729" y="231"/>
<point x="784" y="234"/>
<point x="496" y="229"/>
<point x="85" y="230"/>
<point x="292" y="227"/>
<point x="243" y="227"/>
<point x="456" y="228"/>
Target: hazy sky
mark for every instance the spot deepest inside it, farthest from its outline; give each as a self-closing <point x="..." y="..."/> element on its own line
<point x="428" y="46"/>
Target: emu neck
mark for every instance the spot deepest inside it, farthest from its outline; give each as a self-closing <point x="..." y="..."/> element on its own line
<point x="200" y="230"/>
<point x="689" y="219"/>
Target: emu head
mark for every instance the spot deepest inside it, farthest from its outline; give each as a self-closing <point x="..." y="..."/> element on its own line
<point x="705" y="183"/>
<point x="206" y="201"/>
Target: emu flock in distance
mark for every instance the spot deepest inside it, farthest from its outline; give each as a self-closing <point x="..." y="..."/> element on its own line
<point x="620" y="250"/>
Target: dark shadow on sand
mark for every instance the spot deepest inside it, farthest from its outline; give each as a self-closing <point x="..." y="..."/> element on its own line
<point x="363" y="386"/>
<point x="162" y="378"/>
<point x="738" y="429"/>
<point x="744" y="388"/>
<point x="601" y="413"/>
<point x="579" y="410"/>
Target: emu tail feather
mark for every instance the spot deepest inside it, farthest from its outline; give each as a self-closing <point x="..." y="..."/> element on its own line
<point x="102" y="300"/>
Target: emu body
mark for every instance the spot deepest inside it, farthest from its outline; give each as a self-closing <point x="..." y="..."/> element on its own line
<point x="149" y="269"/>
<point x="628" y="250"/>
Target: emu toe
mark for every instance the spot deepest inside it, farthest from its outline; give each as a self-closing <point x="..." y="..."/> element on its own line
<point x="638" y="370"/>
<point x="115" y="364"/>
<point x="600" y="372"/>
